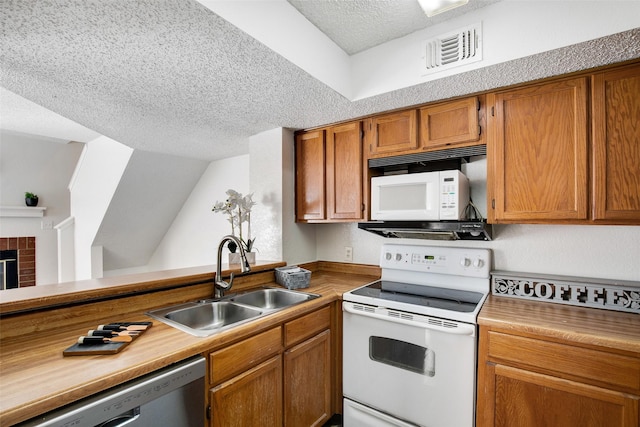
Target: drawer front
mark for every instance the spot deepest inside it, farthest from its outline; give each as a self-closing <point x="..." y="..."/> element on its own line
<point x="566" y="361"/>
<point x="239" y="357"/>
<point x="307" y="326"/>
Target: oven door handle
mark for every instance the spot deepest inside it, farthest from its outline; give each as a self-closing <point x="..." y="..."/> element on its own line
<point x="446" y="326"/>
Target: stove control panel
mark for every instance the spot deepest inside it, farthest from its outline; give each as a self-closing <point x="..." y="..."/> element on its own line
<point x="474" y="262"/>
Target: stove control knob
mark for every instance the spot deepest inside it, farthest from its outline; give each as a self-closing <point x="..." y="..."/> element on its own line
<point x="478" y="262"/>
<point x="465" y="262"/>
<point x="388" y="256"/>
<point x="398" y="257"/>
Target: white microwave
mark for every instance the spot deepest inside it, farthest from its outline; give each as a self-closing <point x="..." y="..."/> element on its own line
<point x="426" y="196"/>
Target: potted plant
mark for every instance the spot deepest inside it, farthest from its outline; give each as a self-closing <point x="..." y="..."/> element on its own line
<point x="31" y="199"/>
<point x="238" y="209"/>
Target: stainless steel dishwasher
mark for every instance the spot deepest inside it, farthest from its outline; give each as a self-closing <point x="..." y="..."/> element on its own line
<point x="173" y="396"/>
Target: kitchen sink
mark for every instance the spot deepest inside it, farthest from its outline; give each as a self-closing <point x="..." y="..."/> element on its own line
<point x="207" y="317"/>
<point x="212" y="315"/>
<point x="272" y="298"/>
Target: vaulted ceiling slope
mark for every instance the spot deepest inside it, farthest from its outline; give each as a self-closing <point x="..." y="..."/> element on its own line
<point x="171" y="76"/>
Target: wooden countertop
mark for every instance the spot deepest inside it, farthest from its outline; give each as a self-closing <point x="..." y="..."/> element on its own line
<point x="589" y="327"/>
<point x="35" y="377"/>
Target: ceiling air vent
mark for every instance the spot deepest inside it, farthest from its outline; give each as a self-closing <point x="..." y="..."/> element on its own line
<point x="453" y="49"/>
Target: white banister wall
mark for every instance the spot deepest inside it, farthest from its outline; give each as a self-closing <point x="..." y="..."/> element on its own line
<point x="92" y="187"/>
<point x="66" y="250"/>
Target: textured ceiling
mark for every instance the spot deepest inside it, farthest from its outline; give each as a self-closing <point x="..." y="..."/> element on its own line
<point x="357" y="25"/>
<point x="158" y="75"/>
<point x="173" y="77"/>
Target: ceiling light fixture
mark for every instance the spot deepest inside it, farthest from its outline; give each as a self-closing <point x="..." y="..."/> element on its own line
<point x="434" y="7"/>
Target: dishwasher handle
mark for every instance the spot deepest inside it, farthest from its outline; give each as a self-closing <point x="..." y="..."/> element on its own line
<point x="415" y="320"/>
<point x="124" y="419"/>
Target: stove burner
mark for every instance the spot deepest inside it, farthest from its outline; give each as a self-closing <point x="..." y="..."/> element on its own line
<point x="425" y="296"/>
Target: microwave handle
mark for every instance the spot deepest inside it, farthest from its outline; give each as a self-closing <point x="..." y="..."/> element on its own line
<point x="460" y="329"/>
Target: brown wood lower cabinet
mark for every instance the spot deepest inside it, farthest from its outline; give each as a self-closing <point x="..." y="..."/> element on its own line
<point x="307" y="385"/>
<point x="531" y="382"/>
<point x="253" y="398"/>
<point x="279" y="377"/>
<point x="527" y="399"/>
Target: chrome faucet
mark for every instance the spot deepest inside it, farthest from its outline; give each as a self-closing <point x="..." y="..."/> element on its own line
<point x="219" y="285"/>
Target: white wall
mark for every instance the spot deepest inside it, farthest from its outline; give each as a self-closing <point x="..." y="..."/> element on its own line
<point x="95" y="181"/>
<point x="42" y="166"/>
<point x="265" y="154"/>
<point x="192" y="240"/>
<point x="273" y="181"/>
<point x="299" y="240"/>
<point x="609" y="252"/>
<point x="599" y="251"/>
<point x="512" y="29"/>
<point x="268" y="172"/>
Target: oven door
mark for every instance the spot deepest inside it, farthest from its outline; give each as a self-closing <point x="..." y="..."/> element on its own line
<point x="418" y="369"/>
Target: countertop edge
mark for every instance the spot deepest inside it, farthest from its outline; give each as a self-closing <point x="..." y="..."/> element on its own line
<point x="584" y="326"/>
<point x="46" y="296"/>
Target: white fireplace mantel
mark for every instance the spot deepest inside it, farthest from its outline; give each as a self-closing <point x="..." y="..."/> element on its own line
<point x="22" y="211"/>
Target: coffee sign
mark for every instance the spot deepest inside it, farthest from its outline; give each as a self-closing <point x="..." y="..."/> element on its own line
<point x="597" y="293"/>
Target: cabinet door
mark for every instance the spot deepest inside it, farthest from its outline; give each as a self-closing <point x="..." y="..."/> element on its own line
<point x="538" y="153"/>
<point x="344" y="172"/>
<point x="239" y="357"/>
<point x="616" y="144"/>
<point x="449" y="123"/>
<point x="310" y="176"/>
<point x="307" y="384"/>
<point x="392" y="134"/>
<point x="253" y="398"/>
<point x="526" y="399"/>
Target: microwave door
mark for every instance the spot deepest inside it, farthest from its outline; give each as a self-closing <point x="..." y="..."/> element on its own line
<point x="403" y="197"/>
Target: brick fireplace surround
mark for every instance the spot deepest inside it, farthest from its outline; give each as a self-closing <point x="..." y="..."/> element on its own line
<point x="26" y="247"/>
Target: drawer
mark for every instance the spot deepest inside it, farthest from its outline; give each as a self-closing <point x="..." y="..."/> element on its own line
<point x="237" y="358"/>
<point x="307" y="326"/>
<point x="566" y="361"/>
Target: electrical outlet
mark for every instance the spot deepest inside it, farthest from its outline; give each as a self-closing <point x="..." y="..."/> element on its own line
<point x="47" y="224"/>
<point x="348" y="253"/>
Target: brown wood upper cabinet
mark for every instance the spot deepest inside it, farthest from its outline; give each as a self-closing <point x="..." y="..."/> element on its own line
<point x="616" y="145"/>
<point x="450" y="123"/>
<point x="392" y="134"/>
<point x="310" y="176"/>
<point x="330" y="173"/>
<point x="432" y="127"/>
<point x="539" y="150"/>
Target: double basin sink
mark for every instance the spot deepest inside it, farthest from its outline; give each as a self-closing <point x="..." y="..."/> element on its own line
<point x="207" y="317"/>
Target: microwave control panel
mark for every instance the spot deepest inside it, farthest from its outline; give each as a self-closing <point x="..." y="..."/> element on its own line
<point x="454" y="194"/>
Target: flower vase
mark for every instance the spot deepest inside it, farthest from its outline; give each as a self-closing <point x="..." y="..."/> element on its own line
<point x="234" y="258"/>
